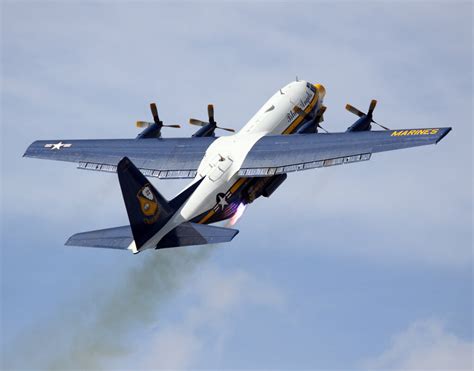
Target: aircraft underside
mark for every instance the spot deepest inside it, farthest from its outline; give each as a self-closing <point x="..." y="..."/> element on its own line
<point x="227" y="172"/>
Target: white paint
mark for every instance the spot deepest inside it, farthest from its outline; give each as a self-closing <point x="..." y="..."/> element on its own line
<point x="57" y="145"/>
<point x="225" y="156"/>
<point x="133" y="247"/>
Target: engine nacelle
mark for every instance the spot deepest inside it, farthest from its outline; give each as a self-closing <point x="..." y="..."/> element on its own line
<point x="206" y="131"/>
<point x="362" y="124"/>
<point x="365" y="119"/>
<point x="273" y="184"/>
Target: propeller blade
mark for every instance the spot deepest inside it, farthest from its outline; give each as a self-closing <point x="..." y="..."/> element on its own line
<point x="143" y="124"/>
<point x="227" y="129"/>
<point x="354" y="110"/>
<point x="172" y="126"/>
<point x="210" y="113"/>
<point x="154" y="112"/>
<point x="383" y="127"/>
<point x="197" y="122"/>
<point x="319" y="126"/>
<point x="320" y="113"/>
<point x="373" y="103"/>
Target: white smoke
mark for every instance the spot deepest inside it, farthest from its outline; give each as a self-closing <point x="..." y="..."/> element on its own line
<point x="87" y="340"/>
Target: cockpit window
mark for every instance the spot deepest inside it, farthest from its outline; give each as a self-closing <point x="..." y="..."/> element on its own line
<point x="311" y="86"/>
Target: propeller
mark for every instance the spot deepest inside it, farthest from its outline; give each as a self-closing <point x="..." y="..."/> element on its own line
<point x="211" y="122"/>
<point x="156" y="119"/>
<point x="359" y="113"/>
<point x="318" y="118"/>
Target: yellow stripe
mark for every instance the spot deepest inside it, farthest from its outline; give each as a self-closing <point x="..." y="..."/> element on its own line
<point x="206" y="217"/>
<point x="298" y="121"/>
<point x="237" y="185"/>
<point x="233" y="189"/>
<point x="288" y="130"/>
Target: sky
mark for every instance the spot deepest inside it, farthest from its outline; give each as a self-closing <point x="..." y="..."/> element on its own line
<point x="367" y="266"/>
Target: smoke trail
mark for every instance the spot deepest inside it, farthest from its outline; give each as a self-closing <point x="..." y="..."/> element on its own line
<point x="131" y="305"/>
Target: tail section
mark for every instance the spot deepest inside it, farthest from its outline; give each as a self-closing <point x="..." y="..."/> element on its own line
<point x="148" y="211"/>
<point x="183" y="235"/>
<point x="188" y="234"/>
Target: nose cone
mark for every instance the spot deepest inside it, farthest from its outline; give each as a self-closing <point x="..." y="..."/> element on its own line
<point x="321" y="90"/>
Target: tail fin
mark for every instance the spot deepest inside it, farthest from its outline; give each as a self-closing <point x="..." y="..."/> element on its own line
<point x="148" y="211"/>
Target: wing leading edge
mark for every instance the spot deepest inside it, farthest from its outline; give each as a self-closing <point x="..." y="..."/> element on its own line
<point x="288" y="153"/>
<point x="175" y="158"/>
<point x="172" y="158"/>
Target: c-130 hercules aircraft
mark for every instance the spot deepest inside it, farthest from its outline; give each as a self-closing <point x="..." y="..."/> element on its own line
<point x="228" y="172"/>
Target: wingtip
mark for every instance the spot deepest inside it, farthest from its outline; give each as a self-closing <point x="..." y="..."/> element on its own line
<point x="446" y="132"/>
<point x="27" y="151"/>
<point x="69" y="242"/>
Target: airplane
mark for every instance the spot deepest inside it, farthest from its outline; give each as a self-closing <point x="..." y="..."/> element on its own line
<point x="227" y="172"/>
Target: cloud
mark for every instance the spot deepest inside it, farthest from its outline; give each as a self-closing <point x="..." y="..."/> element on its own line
<point x="70" y="72"/>
<point x="205" y="326"/>
<point x="425" y="345"/>
<point x="103" y="319"/>
<point x="362" y="210"/>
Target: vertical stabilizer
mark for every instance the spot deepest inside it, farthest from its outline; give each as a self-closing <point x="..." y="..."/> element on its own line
<point x="148" y="211"/>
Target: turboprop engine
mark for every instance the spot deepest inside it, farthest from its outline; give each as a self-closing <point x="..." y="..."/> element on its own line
<point x="365" y="120"/>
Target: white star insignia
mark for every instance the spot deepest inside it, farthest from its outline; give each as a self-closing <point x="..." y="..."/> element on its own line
<point x="222" y="202"/>
<point x="57" y="146"/>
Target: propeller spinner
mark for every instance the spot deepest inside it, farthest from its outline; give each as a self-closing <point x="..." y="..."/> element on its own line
<point x="153" y="129"/>
<point x="362" y="115"/>
<point x="208" y="127"/>
<point x="313" y="125"/>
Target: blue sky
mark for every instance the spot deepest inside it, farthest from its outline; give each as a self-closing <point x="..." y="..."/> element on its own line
<point x="354" y="267"/>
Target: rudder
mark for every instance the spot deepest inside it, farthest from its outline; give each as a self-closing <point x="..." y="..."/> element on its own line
<point x="148" y="211"/>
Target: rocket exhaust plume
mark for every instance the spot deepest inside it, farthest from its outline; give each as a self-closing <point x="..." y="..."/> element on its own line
<point x="235" y="218"/>
<point x="80" y="338"/>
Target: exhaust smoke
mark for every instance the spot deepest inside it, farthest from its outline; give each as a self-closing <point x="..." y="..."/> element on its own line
<point x="88" y="337"/>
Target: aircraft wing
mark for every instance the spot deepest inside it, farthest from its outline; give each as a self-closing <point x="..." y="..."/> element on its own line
<point x="175" y="158"/>
<point x="166" y="158"/>
<point x="287" y="153"/>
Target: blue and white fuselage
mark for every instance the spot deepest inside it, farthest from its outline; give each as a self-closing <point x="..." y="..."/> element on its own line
<point x="220" y="192"/>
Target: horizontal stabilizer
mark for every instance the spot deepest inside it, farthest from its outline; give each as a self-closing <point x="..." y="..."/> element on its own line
<point x="196" y="234"/>
<point x="111" y="238"/>
<point x="185" y="234"/>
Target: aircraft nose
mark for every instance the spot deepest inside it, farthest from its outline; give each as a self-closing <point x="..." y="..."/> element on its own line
<point x="321" y="90"/>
